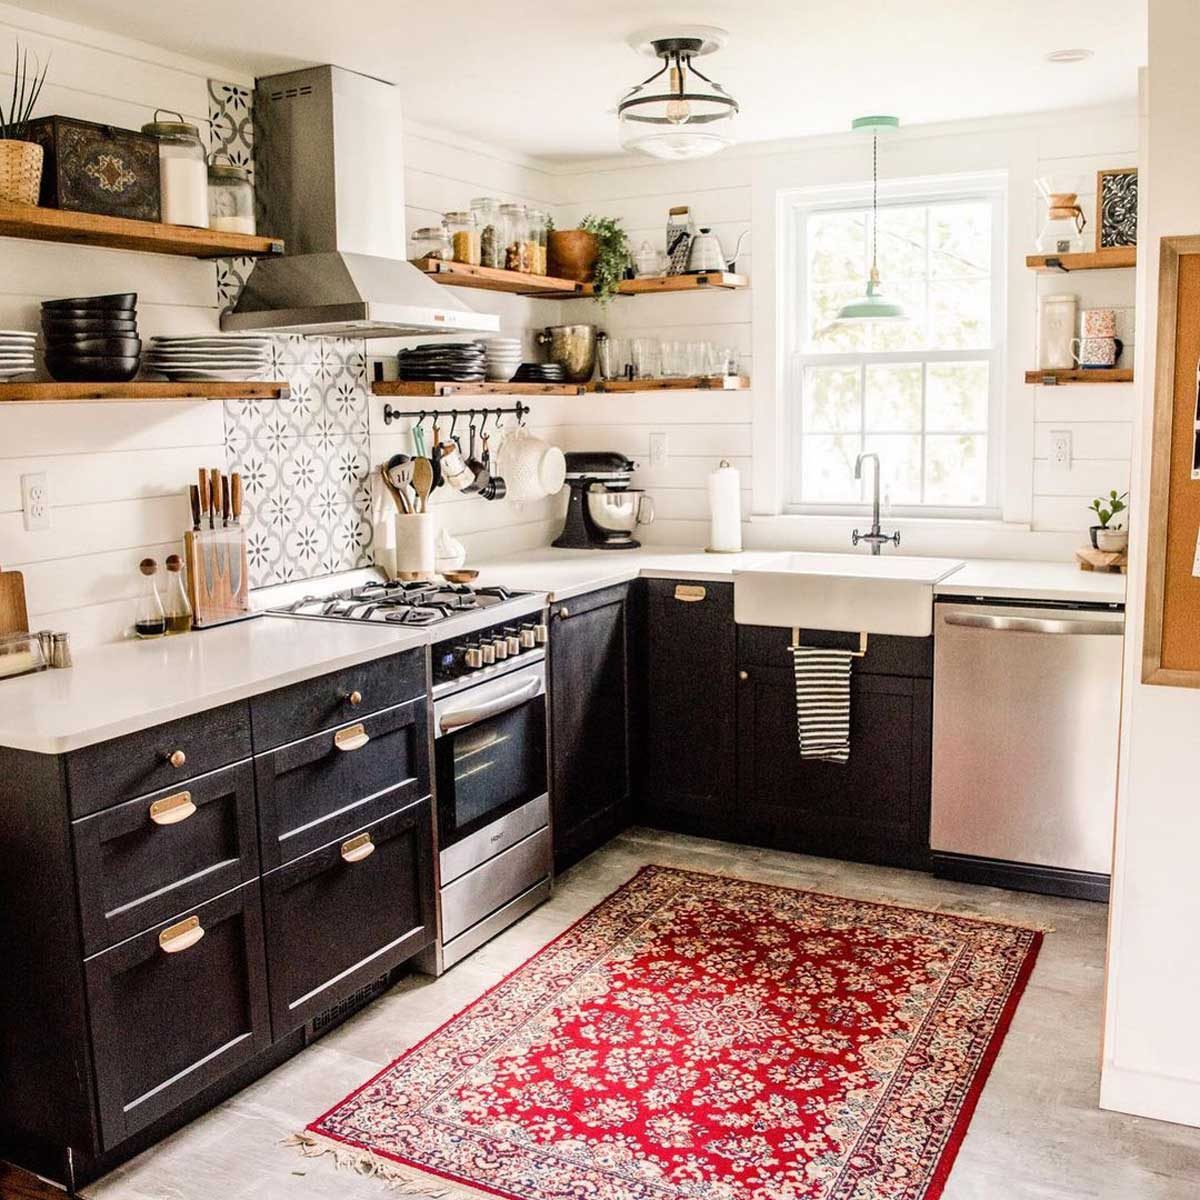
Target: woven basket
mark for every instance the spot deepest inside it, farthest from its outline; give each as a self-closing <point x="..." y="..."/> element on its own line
<point x="20" y="171"/>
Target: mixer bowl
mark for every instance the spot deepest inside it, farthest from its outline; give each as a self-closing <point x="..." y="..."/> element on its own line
<point x="618" y="511"/>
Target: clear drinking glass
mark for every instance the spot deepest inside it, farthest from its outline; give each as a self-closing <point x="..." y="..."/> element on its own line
<point x="647" y="357"/>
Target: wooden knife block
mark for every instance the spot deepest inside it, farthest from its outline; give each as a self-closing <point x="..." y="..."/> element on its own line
<point x="216" y="571"/>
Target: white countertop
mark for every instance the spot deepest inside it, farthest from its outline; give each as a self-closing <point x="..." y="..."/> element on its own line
<point x="116" y="689"/>
<point x="566" y="573"/>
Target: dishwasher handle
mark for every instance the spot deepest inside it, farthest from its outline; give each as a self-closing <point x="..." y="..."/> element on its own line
<point x="1035" y="624"/>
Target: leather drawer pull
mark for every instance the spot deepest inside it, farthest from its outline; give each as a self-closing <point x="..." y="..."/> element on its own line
<point x="353" y="737"/>
<point x="358" y="848"/>
<point x="181" y="936"/>
<point x="689" y="593"/>
<point x="170" y="810"/>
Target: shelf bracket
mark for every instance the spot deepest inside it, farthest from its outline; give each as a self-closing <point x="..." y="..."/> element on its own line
<point x="1056" y="264"/>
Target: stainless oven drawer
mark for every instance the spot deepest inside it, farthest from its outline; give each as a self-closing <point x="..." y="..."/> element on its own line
<point x="486" y="843"/>
<point x="474" y="895"/>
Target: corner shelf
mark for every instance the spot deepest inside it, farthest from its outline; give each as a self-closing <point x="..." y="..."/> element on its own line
<point x="450" y="387"/>
<point x="122" y="233"/>
<point x="64" y="393"/>
<point x="1114" y="259"/>
<point x="1052" y="378"/>
<point x="550" y="287"/>
<point x="703" y="383"/>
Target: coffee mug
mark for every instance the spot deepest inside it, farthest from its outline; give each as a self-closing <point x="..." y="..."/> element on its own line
<point x="1098" y="323"/>
<point x="1096" y="351"/>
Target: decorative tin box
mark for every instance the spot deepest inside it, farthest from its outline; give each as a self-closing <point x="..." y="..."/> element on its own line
<point x="97" y="168"/>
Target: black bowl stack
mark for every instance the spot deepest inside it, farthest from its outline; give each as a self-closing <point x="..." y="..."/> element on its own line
<point x="92" y="339"/>
<point x="462" y="362"/>
<point x="540" y="373"/>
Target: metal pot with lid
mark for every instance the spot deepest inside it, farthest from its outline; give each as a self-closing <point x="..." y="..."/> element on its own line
<point x="573" y="347"/>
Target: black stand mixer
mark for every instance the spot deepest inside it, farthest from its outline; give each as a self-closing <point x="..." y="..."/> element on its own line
<point x="603" y="510"/>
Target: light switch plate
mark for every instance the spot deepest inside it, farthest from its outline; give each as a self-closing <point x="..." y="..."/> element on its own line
<point x="35" y="501"/>
<point x="658" y="449"/>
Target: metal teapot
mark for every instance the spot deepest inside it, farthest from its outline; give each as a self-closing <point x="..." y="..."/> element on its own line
<point x="705" y="253"/>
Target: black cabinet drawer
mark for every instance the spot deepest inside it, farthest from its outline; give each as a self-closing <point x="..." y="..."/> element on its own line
<point x="302" y="708"/>
<point x="341" y="916"/>
<point x="158" y="757"/>
<point x="171" y="1013"/>
<point x="324" y="786"/>
<point x="143" y="861"/>
<point x="909" y="657"/>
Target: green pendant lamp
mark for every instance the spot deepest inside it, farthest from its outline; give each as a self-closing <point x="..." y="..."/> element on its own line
<point x="872" y="305"/>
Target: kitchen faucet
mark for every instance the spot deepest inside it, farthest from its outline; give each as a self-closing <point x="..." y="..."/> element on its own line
<point x="876" y="537"/>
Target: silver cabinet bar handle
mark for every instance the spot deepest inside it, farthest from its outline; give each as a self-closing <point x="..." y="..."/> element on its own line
<point x="1035" y="624"/>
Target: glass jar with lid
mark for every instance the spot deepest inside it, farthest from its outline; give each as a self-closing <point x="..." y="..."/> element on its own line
<point x="538" y="236"/>
<point x="182" y="170"/>
<point x="487" y="221"/>
<point x="464" y="237"/>
<point x="432" y="241"/>
<point x="230" y="196"/>
<point x="516" y="237"/>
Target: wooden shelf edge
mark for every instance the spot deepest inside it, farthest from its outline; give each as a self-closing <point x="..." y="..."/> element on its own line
<point x="64" y="393"/>
<point x="671" y="284"/>
<point x="1055" y="378"/>
<point x="122" y="233"/>
<point x="700" y="383"/>
<point x="449" y="387"/>
<point x="1115" y="259"/>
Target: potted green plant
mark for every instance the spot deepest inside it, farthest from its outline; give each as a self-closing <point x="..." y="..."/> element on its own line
<point x="1105" y="536"/>
<point x="596" y="252"/>
<point x="21" y="160"/>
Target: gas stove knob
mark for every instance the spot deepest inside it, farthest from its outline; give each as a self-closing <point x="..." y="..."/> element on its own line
<point x="473" y="658"/>
<point x="488" y="650"/>
<point x="541" y="634"/>
<point x="513" y="639"/>
<point x="528" y="637"/>
<point x="500" y="648"/>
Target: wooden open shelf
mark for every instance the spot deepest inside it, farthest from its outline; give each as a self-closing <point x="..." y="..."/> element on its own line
<point x="449" y="387"/>
<point x="121" y="233"/>
<point x="63" y="393"/>
<point x="715" y="383"/>
<point x="550" y="287"/>
<point x="1090" y="260"/>
<point x="1081" y="375"/>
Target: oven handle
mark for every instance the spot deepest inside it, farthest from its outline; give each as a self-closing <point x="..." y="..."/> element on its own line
<point x="460" y="718"/>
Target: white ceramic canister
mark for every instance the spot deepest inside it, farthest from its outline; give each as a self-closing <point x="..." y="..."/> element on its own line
<point x="1056" y="331"/>
<point x="416" y="554"/>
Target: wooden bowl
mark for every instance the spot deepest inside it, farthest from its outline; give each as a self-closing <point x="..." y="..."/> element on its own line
<point x="463" y="575"/>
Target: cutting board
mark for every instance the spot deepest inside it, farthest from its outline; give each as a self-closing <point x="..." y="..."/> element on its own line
<point x="13" y="617"/>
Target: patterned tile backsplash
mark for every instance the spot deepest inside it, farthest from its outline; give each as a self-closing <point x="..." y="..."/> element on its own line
<point x="305" y="461"/>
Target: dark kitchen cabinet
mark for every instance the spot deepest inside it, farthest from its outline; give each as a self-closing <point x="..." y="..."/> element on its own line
<point x="873" y="808"/>
<point x="689" y="777"/>
<point x="591" y="750"/>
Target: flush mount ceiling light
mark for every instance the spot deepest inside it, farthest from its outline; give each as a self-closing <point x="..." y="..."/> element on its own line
<point x="1069" y="56"/>
<point x="678" y="112"/>
<point x="872" y="305"/>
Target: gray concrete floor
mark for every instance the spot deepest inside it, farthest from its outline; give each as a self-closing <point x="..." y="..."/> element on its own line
<point x="1036" y="1135"/>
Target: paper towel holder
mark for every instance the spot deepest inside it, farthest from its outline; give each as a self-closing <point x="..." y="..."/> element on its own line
<point x="724" y="464"/>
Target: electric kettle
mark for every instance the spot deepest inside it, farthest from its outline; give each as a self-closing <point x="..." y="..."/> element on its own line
<point x="705" y="253"/>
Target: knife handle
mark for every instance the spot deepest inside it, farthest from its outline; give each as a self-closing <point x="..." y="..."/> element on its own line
<point x="202" y="492"/>
<point x="194" y="498"/>
<point x="235" y="496"/>
<point x="214" y="496"/>
<point x="224" y="499"/>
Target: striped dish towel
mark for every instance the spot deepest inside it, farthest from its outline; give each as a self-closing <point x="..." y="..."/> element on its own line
<point x="823" y="702"/>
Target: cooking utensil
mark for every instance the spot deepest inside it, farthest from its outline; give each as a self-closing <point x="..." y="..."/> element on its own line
<point x="398" y="497"/>
<point x="194" y="500"/>
<point x="13" y="616"/>
<point x="237" y="565"/>
<point x="435" y="456"/>
<point x="225" y="500"/>
<point x="422" y="482"/>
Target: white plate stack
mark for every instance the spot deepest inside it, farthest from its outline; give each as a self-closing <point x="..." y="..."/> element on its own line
<point x="503" y="357"/>
<point x="16" y="353"/>
<point x="209" y="358"/>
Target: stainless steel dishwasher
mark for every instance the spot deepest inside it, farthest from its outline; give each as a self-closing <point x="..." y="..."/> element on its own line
<point x="1026" y="716"/>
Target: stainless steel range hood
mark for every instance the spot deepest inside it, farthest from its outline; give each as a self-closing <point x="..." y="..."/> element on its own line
<point x="329" y="163"/>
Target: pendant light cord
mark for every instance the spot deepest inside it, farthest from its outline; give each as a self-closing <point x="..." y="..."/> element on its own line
<point x="874" y="201"/>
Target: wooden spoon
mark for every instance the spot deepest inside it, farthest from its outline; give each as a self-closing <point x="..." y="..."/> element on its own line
<point x="422" y="482"/>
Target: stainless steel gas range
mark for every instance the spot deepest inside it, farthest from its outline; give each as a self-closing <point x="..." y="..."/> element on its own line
<point x="488" y="664"/>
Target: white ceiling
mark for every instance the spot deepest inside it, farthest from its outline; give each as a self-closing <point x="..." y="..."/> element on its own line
<point x="543" y="77"/>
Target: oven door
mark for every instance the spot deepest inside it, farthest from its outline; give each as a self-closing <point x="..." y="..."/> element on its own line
<point x="490" y="746"/>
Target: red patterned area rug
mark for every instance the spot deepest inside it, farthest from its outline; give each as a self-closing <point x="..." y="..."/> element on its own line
<point x="702" y="1038"/>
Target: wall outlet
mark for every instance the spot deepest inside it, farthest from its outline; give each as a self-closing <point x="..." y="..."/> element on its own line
<point x="35" y="501"/>
<point x="658" y="449"/>
<point x="1060" y="449"/>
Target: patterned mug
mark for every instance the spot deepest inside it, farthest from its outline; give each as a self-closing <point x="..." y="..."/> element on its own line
<point x="1098" y="323"/>
<point x="1096" y="351"/>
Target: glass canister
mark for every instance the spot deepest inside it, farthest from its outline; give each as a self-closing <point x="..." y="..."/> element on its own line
<point x="432" y="241"/>
<point x="516" y="234"/>
<point x="182" y="170"/>
<point x="230" y="196"/>
<point x="538" y="236"/>
<point x="464" y="237"/>
<point x="491" y="240"/>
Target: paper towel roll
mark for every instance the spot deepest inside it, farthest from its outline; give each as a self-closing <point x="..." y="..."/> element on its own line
<point x="725" y="509"/>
